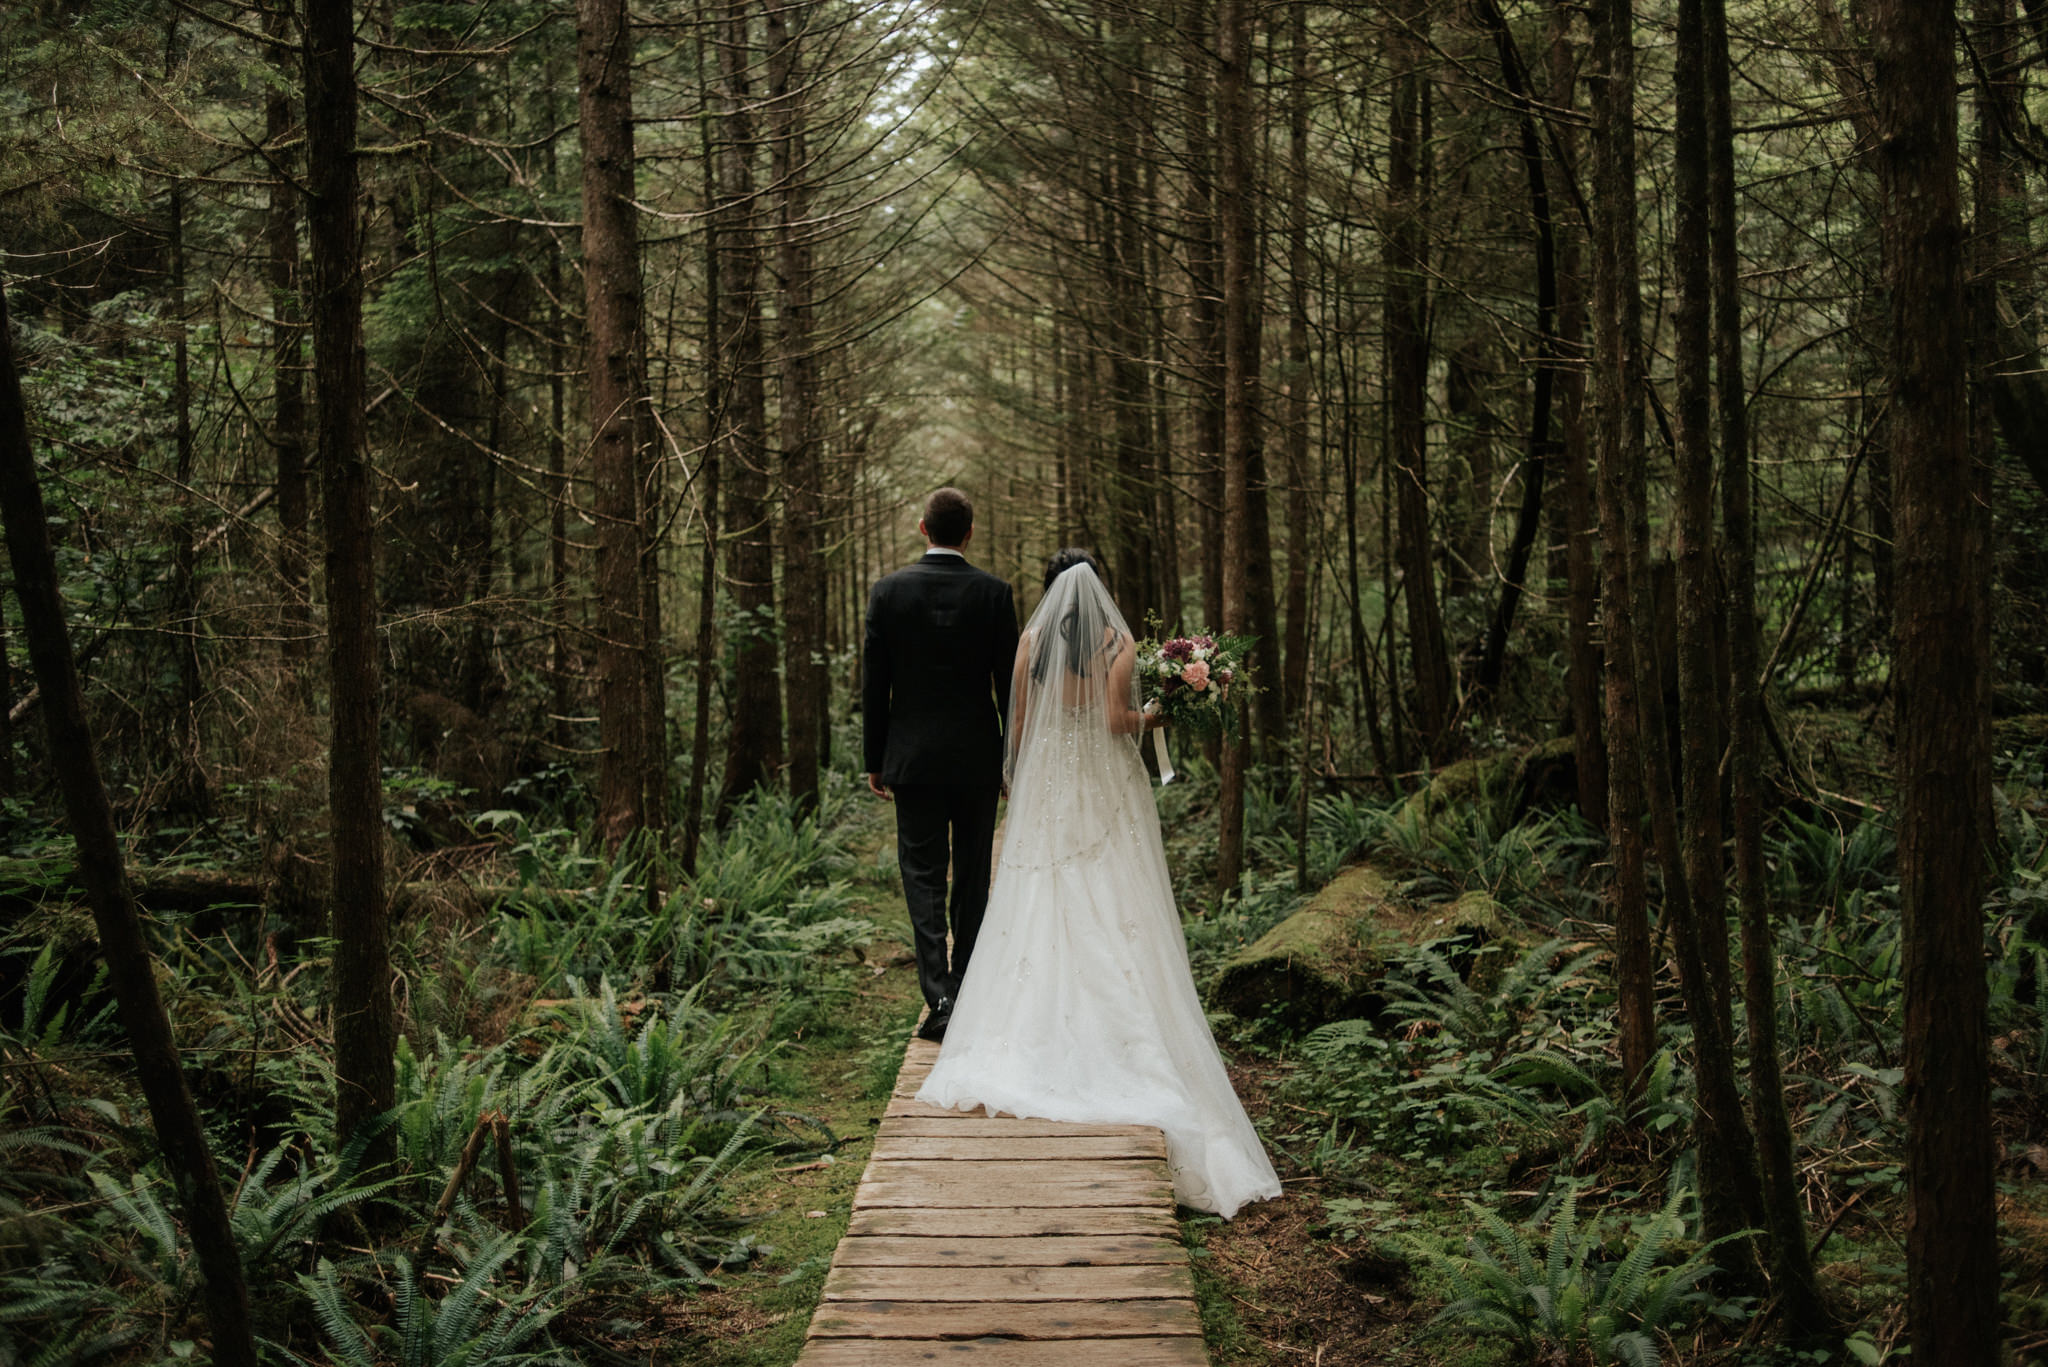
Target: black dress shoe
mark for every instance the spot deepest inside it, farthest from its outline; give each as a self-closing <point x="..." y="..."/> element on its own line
<point x="934" y="1027"/>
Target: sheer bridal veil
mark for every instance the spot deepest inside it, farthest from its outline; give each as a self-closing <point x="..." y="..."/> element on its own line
<point x="1074" y="657"/>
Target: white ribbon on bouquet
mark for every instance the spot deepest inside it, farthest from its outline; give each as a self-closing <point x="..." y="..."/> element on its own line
<point x="1166" y="774"/>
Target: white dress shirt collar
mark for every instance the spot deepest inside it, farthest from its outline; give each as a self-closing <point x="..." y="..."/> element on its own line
<point x="945" y="550"/>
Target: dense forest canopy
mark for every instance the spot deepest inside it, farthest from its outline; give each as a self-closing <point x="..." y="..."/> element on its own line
<point x="459" y="439"/>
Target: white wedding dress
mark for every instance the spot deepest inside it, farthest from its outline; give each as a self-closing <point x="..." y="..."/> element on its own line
<point x="1078" y="1003"/>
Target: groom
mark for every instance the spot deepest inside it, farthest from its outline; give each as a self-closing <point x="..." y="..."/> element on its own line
<point x="941" y="640"/>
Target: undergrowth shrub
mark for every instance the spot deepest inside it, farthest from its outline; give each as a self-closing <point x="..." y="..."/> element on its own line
<point x="596" y="1042"/>
<point x="769" y="903"/>
<point x="1451" y="1071"/>
<point x="1591" y="1293"/>
<point x="1532" y="865"/>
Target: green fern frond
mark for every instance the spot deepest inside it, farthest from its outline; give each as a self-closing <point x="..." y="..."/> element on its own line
<point x="1564" y="1237"/>
<point x="347" y="1340"/>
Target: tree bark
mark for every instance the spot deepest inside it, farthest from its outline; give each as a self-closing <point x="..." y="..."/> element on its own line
<point x="1493" y="654"/>
<point x="1581" y="525"/>
<point x="1790" y="1258"/>
<point x="1240" y="385"/>
<point x="365" y="1029"/>
<point x="753" y="749"/>
<point x="1695" y="903"/>
<point x="131" y="971"/>
<point x="1617" y="371"/>
<point x="186" y="762"/>
<point x="288" y="385"/>
<point x="1295" y="609"/>
<point x="803" y="659"/>
<point x="618" y="394"/>
<point x="1941" y="683"/>
<point x="1126" y="288"/>
<point x="1408" y="375"/>
<point x="1363" y="663"/>
<point x="707" y="482"/>
<point x="1205" y="311"/>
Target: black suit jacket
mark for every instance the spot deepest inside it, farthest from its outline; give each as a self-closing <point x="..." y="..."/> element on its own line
<point x="941" y="641"/>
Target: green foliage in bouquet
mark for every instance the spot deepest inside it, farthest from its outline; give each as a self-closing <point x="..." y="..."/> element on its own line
<point x="1194" y="681"/>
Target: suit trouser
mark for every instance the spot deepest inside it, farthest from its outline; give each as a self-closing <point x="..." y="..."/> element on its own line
<point x="938" y="824"/>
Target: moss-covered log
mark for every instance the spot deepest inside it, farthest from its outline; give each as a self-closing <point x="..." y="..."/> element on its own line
<point x="1324" y="962"/>
<point x="1509" y="784"/>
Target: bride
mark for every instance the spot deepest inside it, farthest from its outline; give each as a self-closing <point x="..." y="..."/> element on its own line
<point x="1078" y="1003"/>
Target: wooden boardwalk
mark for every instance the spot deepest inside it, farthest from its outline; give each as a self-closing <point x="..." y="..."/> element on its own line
<point x="1009" y="1243"/>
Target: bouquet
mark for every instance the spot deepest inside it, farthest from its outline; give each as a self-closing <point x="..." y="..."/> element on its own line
<point x="1187" y="680"/>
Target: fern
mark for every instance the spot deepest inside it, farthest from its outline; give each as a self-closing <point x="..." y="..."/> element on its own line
<point x="1572" y="1306"/>
<point x="347" y="1341"/>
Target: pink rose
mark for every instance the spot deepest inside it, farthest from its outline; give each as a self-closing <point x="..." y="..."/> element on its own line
<point x="1195" y="674"/>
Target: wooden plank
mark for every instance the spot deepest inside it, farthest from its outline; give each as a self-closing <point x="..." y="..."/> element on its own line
<point x="1065" y="1148"/>
<point x="901" y="1104"/>
<point x="1007" y="1319"/>
<point x="1045" y="1250"/>
<point x="973" y="1124"/>
<point x="1010" y="1242"/>
<point x="928" y="1285"/>
<point x="999" y="1170"/>
<point x="967" y="1192"/>
<point x="1021" y="1222"/>
<point x="1148" y="1352"/>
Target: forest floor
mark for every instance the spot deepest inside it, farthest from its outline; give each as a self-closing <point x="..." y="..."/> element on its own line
<point x="1272" y="1287"/>
<point x="1468" y="1115"/>
<point x="1322" y="1275"/>
<point x="838" y="1069"/>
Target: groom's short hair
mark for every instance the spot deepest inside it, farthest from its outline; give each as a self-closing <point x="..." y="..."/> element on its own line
<point x="948" y="517"/>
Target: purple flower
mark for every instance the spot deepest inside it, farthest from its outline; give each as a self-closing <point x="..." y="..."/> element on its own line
<point x="1179" y="648"/>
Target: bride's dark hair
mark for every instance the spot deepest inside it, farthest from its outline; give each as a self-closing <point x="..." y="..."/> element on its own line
<point x="1077" y="652"/>
<point x="1064" y="560"/>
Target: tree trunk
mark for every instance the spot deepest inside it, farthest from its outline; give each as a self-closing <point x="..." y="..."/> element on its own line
<point x="1240" y="384"/>
<point x="1205" y="311"/>
<point x="1295" y="610"/>
<point x="1408" y="375"/>
<point x="707" y="481"/>
<point x="288" y="385"/>
<point x="365" y="1030"/>
<point x="560" y="492"/>
<point x="1125" y="305"/>
<point x="1695" y="903"/>
<point x="1493" y="654"/>
<point x="618" y="390"/>
<point x="651" y="479"/>
<point x="186" y="762"/>
<point x="753" y="749"/>
<point x="1941" y="682"/>
<point x="1617" y="371"/>
<point x="1363" y="663"/>
<point x="1791" y="1261"/>
<point x="803" y="666"/>
<point x="1581" y="526"/>
<point x="130" y="971"/>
